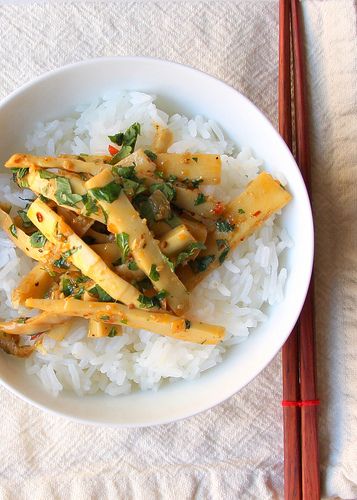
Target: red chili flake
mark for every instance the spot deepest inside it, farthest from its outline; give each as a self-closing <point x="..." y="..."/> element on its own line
<point x="39" y="217"/>
<point x="112" y="150"/>
<point x="257" y="213"/>
<point x="218" y="208"/>
<point x="36" y="335"/>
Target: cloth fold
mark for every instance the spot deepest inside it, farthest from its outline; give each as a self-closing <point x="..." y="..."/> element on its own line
<point x="236" y="449"/>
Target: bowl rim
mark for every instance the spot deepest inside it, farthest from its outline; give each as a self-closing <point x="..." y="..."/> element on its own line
<point x="309" y="228"/>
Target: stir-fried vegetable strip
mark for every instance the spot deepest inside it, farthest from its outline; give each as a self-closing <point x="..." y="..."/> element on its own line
<point x="125" y="222"/>
<point x="263" y="197"/>
<point x="30" y="326"/>
<point x="161" y="323"/>
<point x="35" y="284"/>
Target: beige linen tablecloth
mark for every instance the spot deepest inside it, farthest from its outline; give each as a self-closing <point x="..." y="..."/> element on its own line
<point x="234" y="450"/>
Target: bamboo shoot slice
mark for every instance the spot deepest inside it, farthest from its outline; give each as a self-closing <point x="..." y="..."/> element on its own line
<point x="263" y="197"/>
<point x="191" y="166"/>
<point x="30" y="326"/>
<point x="100" y="329"/>
<point x="156" y="322"/>
<point x="35" y="284"/>
<point x="82" y="256"/>
<point x="176" y="240"/>
<point x="123" y="218"/>
<point x="163" y="139"/>
<point x="20" y="160"/>
<point x="143" y="165"/>
<point x="79" y="223"/>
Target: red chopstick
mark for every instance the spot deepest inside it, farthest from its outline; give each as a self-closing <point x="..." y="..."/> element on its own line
<point x="301" y="466"/>
<point x="309" y="431"/>
<point x="290" y="352"/>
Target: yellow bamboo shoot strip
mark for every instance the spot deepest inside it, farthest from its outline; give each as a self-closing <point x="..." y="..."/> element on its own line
<point x="83" y="257"/>
<point x="191" y="166"/>
<point x="176" y="240"/>
<point x="161" y="323"/>
<point x="123" y="218"/>
<point x="101" y="329"/>
<point x="197" y="229"/>
<point x="35" y="284"/>
<point x="143" y="164"/>
<point x="163" y="139"/>
<point x="89" y="158"/>
<point x="22" y="240"/>
<point x="20" y="160"/>
<point x="37" y="324"/>
<point x="263" y="197"/>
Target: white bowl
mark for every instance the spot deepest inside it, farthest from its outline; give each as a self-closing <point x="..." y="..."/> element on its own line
<point x="186" y="90"/>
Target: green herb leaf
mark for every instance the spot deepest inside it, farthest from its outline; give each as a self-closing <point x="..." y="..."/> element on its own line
<point x="132" y="265"/>
<point x="173" y="221"/>
<point x="223" y="244"/>
<point x="150" y="154"/>
<point x="25" y="220"/>
<point x="122" y="240"/>
<point x="201" y="263"/>
<point x="159" y="174"/>
<point x="67" y="287"/>
<point x="155" y="301"/>
<point x="46" y="174"/>
<point x="112" y="332"/>
<point x="127" y="142"/>
<point x="37" y="240"/>
<point x="241" y="211"/>
<point x="189" y="251"/>
<point x="223" y="226"/>
<point x="82" y="279"/>
<point x="130" y="187"/>
<point x="108" y="193"/>
<point x="154" y="274"/>
<point x="105" y="317"/>
<point x="125" y="172"/>
<point x="187" y="324"/>
<point x="166" y="188"/>
<point x="101" y="294"/>
<point x="146" y="211"/>
<point x="169" y="262"/>
<point x="90" y="205"/>
<point x="194" y="158"/>
<point x="62" y="261"/>
<point x="117" y="262"/>
<point x="64" y="195"/>
<point x="144" y="284"/>
<point x="13" y="230"/>
<point x="201" y="198"/>
<point x="171" y="178"/>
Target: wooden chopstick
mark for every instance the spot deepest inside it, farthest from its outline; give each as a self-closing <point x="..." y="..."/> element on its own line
<point x="290" y="350"/>
<point x="309" y="430"/>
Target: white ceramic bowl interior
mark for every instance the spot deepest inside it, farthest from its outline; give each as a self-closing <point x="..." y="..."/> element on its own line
<point x="180" y="89"/>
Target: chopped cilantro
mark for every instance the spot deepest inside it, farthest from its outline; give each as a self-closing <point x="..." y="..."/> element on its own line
<point x="169" y="262"/>
<point x="241" y="211"/>
<point x="67" y="287"/>
<point x="173" y="221"/>
<point x="105" y="317"/>
<point x="25" y="220"/>
<point x="194" y="158"/>
<point x="125" y="172"/>
<point x="150" y="154"/>
<point x="224" y="226"/>
<point x="132" y="265"/>
<point x="201" y="198"/>
<point x="159" y="174"/>
<point x="108" y="193"/>
<point x="112" y="332"/>
<point x="62" y="261"/>
<point x="37" y="240"/>
<point x="155" y="301"/>
<point x="189" y="251"/>
<point x="187" y="324"/>
<point x="201" y="263"/>
<point x="13" y="230"/>
<point x="46" y="174"/>
<point x="126" y="140"/>
<point x="154" y="274"/>
<point x="122" y="240"/>
<point x="101" y="294"/>
<point x="130" y="187"/>
<point x="21" y="320"/>
<point x="90" y="205"/>
<point x="166" y="188"/>
<point x="64" y="194"/>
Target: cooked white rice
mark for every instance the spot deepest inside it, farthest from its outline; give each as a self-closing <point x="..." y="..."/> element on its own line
<point x="234" y="295"/>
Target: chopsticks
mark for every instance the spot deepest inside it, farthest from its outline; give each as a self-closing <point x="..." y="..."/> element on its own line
<point x="301" y="465"/>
